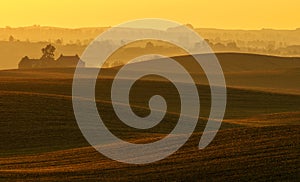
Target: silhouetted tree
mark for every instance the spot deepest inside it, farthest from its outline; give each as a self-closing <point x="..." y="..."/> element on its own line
<point x="48" y="52"/>
<point x="149" y="45"/>
<point x="209" y="42"/>
<point x="190" y="26"/>
<point x="59" y="41"/>
<point x="11" y="38"/>
<point x="232" y="46"/>
<point x="219" y="46"/>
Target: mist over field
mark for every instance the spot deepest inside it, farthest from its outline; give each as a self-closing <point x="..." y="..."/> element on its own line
<point x="15" y="43"/>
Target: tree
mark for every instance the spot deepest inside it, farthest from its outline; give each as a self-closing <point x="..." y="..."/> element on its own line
<point x="48" y="52"/>
<point x="190" y="26"/>
<point x="149" y="45"/>
<point x="232" y="46"/>
<point x="11" y="38"/>
<point x="209" y="42"/>
<point x="59" y="41"/>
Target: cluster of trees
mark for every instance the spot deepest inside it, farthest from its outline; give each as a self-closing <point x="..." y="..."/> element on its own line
<point x="255" y="46"/>
<point x="217" y="44"/>
<point x="59" y="41"/>
<point x="229" y="46"/>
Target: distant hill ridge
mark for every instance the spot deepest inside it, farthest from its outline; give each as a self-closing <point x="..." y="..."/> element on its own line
<point x="236" y="62"/>
<point x="46" y="33"/>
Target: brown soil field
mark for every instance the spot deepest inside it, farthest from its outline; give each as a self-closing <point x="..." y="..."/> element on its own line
<point x="258" y="139"/>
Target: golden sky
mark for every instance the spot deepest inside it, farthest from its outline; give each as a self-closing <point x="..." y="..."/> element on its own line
<point x="226" y="14"/>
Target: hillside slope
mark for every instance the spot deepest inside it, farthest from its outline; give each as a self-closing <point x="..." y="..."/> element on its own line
<point x="258" y="139"/>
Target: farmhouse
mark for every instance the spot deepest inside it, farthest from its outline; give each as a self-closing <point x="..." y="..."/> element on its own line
<point x="62" y="61"/>
<point x="48" y="61"/>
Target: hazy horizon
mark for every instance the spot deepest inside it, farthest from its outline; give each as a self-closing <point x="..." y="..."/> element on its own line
<point x="247" y="15"/>
<point x="108" y="26"/>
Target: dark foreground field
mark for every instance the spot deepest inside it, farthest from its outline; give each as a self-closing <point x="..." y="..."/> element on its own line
<point x="40" y="139"/>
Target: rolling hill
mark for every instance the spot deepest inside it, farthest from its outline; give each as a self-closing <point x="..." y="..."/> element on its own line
<point x="258" y="139"/>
